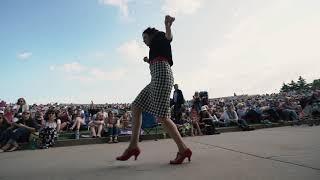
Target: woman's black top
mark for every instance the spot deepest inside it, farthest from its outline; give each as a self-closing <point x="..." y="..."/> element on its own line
<point x="160" y="47"/>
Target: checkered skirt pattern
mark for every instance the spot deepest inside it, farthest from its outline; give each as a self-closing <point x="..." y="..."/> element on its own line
<point x="155" y="97"/>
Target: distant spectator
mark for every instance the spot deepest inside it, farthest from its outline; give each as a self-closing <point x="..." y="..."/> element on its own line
<point x="196" y="102"/>
<point x="231" y="117"/>
<point x="113" y="124"/>
<point x="178" y="101"/>
<point x="8" y="114"/>
<point x="96" y="125"/>
<point x="78" y="121"/>
<point x="125" y="121"/>
<point x="290" y="110"/>
<point x="20" y="107"/>
<point x="48" y="132"/>
<point x="206" y="118"/>
<point x="3" y="123"/>
<point x="39" y="118"/>
<point x="21" y="131"/>
<point x="195" y="118"/>
<point x="64" y="119"/>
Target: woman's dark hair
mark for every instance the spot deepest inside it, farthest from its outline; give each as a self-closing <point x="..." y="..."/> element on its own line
<point x="21" y="99"/>
<point x="50" y="111"/>
<point x="110" y="113"/>
<point x="150" y="31"/>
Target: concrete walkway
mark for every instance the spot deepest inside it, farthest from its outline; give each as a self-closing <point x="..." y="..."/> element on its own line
<point x="275" y="153"/>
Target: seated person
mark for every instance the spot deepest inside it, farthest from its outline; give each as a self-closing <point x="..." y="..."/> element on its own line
<point x="125" y="121"/>
<point x="96" y="125"/>
<point x="230" y="117"/>
<point x="113" y="124"/>
<point x="206" y="118"/>
<point x="78" y="122"/>
<point x="64" y="120"/>
<point x="19" y="132"/>
<point x="4" y="125"/>
<point x="39" y="118"/>
<point x="289" y="110"/>
<point x="48" y="131"/>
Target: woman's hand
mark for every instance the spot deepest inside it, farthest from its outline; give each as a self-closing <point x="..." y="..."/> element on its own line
<point x="168" y="21"/>
<point x="146" y="59"/>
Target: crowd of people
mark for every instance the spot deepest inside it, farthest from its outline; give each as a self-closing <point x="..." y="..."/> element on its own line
<point x="198" y="116"/>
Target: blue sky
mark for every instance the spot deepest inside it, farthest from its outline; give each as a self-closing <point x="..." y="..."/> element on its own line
<point x="83" y="50"/>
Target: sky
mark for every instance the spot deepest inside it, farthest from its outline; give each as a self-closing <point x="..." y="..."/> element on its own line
<point x="82" y="50"/>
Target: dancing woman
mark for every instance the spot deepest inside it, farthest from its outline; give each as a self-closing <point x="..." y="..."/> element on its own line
<point x="155" y="97"/>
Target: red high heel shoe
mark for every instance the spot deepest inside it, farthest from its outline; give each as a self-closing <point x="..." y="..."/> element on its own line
<point x="128" y="153"/>
<point x="181" y="156"/>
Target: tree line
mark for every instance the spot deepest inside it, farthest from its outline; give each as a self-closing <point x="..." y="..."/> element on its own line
<point x="300" y="85"/>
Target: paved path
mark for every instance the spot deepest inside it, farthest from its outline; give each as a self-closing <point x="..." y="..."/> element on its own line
<point x="276" y="153"/>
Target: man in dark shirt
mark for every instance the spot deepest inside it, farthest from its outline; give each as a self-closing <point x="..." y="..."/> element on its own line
<point x="20" y="131"/>
<point x="178" y="100"/>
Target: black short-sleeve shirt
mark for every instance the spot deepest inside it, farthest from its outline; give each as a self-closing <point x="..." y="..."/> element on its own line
<point x="160" y="47"/>
<point x="30" y="123"/>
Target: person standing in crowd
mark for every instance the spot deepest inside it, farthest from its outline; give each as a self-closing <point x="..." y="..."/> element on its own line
<point x="155" y="97"/>
<point x="196" y="101"/>
<point x="178" y="101"/>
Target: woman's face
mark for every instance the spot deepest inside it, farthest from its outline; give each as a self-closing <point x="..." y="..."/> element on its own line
<point x="100" y="116"/>
<point x="146" y="39"/>
<point x="21" y="101"/>
<point x="26" y="115"/>
<point x="7" y="109"/>
<point x="52" y="115"/>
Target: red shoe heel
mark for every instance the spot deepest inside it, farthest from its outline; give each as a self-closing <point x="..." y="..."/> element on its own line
<point x="181" y="156"/>
<point x="128" y="154"/>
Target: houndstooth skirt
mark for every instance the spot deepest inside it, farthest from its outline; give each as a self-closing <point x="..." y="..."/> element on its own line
<point x="155" y="97"/>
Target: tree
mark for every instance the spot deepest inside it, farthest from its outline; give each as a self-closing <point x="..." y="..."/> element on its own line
<point x="293" y="86"/>
<point x="315" y="84"/>
<point x="285" y="88"/>
<point x="302" y="84"/>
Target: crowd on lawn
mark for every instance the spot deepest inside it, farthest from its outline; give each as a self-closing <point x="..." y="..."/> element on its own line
<point x="197" y="116"/>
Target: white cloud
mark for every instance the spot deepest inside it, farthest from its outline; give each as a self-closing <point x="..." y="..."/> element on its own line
<point x="133" y="51"/>
<point x="175" y="7"/>
<point x="24" y="55"/>
<point x="275" y="42"/>
<point x="72" y="67"/>
<point x="113" y="75"/>
<point x="76" y="71"/>
<point x="99" y="56"/>
<point x="52" y="67"/>
<point x="121" y="4"/>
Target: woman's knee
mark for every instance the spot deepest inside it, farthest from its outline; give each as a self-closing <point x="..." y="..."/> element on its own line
<point x="163" y="120"/>
<point x="136" y="110"/>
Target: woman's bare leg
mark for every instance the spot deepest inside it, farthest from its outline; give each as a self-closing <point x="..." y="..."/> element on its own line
<point x="62" y="126"/>
<point x="198" y="129"/>
<point x="136" y="126"/>
<point x="174" y="133"/>
<point x="100" y="127"/>
<point x="78" y="123"/>
<point x="93" y="131"/>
